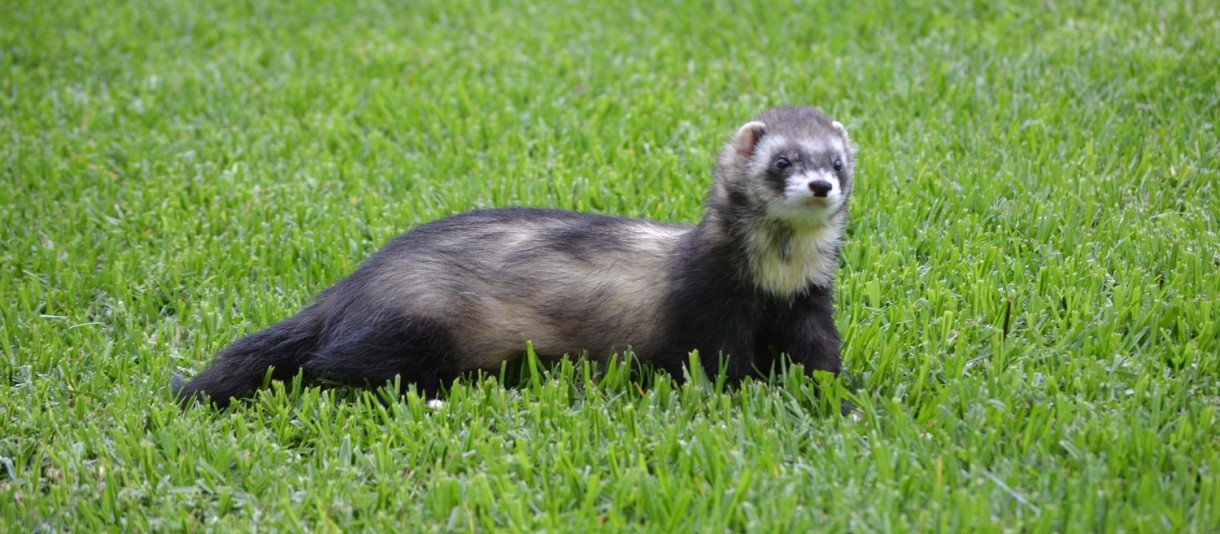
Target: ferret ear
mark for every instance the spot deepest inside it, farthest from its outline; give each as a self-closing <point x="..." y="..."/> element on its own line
<point x="851" y="147"/>
<point x="747" y="137"/>
<point x="838" y="126"/>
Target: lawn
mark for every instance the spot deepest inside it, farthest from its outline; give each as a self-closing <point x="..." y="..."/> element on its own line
<point x="1028" y="295"/>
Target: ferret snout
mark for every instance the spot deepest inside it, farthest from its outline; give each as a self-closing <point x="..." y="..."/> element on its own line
<point x="820" y="188"/>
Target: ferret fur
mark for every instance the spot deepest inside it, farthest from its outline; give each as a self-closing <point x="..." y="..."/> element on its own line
<point x="752" y="280"/>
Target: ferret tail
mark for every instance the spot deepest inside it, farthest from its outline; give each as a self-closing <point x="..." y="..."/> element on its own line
<point x="242" y="367"/>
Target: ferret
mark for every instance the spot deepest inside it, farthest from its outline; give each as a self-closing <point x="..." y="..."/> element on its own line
<point x="750" y="283"/>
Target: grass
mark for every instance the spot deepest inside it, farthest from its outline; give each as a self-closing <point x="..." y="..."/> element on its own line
<point x="1028" y="296"/>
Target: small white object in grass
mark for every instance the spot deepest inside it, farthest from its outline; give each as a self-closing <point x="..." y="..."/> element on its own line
<point x="435" y="404"/>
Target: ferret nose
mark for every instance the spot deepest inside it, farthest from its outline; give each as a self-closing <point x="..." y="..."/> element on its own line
<point x="820" y="188"/>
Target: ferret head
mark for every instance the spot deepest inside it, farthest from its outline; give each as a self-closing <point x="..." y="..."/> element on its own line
<point x="791" y="164"/>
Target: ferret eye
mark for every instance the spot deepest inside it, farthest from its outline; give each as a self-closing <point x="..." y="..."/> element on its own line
<point x="782" y="163"/>
<point x="838" y="164"/>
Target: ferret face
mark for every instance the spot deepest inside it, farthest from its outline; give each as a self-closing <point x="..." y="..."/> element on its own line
<point x="794" y="163"/>
<point x="804" y="179"/>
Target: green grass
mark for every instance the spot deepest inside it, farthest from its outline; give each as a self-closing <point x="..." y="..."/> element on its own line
<point x="1028" y="296"/>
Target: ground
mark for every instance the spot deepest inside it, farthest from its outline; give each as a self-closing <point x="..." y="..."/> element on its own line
<point x="1028" y="294"/>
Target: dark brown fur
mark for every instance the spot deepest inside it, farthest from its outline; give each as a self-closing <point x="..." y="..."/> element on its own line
<point x="750" y="281"/>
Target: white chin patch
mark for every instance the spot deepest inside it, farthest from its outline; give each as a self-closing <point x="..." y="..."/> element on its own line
<point x="810" y="197"/>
